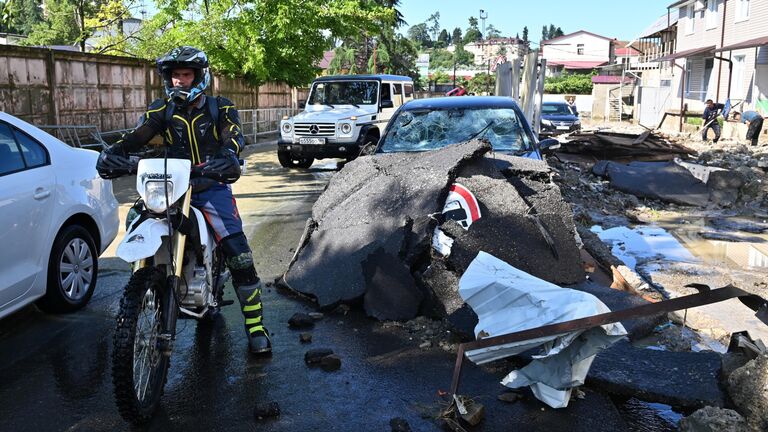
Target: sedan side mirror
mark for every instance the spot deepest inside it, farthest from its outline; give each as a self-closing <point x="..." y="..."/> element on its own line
<point x="387" y="104"/>
<point x="549" y="145"/>
<point x="302" y="104"/>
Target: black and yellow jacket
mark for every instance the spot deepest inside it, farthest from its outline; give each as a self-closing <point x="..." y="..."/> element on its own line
<point x="188" y="133"/>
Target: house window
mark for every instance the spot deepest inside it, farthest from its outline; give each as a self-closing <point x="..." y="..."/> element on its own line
<point x="580" y="49"/>
<point x="688" y="79"/>
<point x="710" y="15"/>
<point x="708" y="65"/>
<point x="742" y="10"/>
<point x="690" y="21"/>
<point x="737" y="83"/>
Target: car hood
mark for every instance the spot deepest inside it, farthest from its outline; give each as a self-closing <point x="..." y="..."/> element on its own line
<point x="330" y="115"/>
<point x="555" y="117"/>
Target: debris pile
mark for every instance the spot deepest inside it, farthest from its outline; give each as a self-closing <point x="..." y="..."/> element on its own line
<point x="614" y="145"/>
<point x="372" y="231"/>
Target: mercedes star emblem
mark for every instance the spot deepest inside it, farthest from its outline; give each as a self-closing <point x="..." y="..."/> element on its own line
<point x="313" y="129"/>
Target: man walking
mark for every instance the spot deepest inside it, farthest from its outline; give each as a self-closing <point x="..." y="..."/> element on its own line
<point x="754" y="122"/>
<point x="711" y="111"/>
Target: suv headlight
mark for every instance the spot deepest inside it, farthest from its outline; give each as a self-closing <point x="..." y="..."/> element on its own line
<point x="546" y="122"/>
<point x="286" y="128"/>
<point x="154" y="198"/>
<point x="577" y="122"/>
<point x="345" y="128"/>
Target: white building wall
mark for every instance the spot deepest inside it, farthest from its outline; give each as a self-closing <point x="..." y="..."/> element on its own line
<point x="566" y="48"/>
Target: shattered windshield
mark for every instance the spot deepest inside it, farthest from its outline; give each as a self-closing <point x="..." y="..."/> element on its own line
<point x="422" y="130"/>
<point x="344" y="93"/>
<point x="556" y="109"/>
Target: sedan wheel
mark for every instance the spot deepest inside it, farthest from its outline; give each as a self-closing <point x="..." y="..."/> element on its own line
<point x="72" y="271"/>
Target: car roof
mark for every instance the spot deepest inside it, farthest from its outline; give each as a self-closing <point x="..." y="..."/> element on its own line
<point x="454" y="102"/>
<point x="377" y="77"/>
<point x="554" y="103"/>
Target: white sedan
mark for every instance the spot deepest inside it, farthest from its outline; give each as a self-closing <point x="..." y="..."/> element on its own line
<point x="56" y="217"/>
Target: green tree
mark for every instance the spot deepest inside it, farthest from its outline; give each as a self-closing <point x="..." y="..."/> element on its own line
<point x="463" y="57"/>
<point x="492" y="32"/>
<point x="567" y="83"/>
<point x="267" y="40"/>
<point x="472" y="34"/>
<point x="434" y="29"/>
<point x="21" y="15"/>
<point x="444" y="38"/>
<point x="525" y="35"/>
<point x="558" y="32"/>
<point x="419" y="34"/>
<point x="456" y="36"/>
<point x="343" y="61"/>
<point x="60" y="26"/>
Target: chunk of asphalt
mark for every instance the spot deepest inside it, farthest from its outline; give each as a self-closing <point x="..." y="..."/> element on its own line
<point x="305" y="338"/>
<point x="301" y="320"/>
<point x="391" y="292"/>
<point x="330" y="363"/>
<point x="713" y="419"/>
<point x="399" y="425"/>
<point x="665" y="181"/>
<point x="683" y="379"/>
<point x="266" y="410"/>
<point x="517" y="240"/>
<point x="364" y="205"/>
<point x="442" y="287"/>
<point x="314" y="356"/>
<point x="617" y="300"/>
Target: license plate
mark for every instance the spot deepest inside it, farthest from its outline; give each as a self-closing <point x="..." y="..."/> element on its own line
<point x="311" y="140"/>
<point x="563" y="127"/>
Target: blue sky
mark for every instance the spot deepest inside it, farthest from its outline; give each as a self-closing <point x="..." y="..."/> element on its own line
<point x="620" y="19"/>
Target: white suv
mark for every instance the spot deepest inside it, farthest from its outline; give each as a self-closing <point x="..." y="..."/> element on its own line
<point x="342" y="115"/>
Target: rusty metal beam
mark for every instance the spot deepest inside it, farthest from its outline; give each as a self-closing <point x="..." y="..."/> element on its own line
<point x="705" y="296"/>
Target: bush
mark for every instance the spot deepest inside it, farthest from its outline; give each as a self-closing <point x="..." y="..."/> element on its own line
<point x="569" y="84"/>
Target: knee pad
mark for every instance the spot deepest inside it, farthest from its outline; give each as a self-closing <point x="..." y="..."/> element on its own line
<point x="235" y="245"/>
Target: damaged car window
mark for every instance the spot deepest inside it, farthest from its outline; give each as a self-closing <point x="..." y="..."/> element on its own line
<point x="425" y="130"/>
<point x="344" y="93"/>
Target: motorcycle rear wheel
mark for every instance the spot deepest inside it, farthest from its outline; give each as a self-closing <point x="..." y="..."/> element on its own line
<point x="139" y="368"/>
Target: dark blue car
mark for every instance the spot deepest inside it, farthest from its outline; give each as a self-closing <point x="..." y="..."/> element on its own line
<point x="558" y="118"/>
<point x="430" y="124"/>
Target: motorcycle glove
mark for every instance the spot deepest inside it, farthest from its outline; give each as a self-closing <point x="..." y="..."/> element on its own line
<point x="112" y="164"/>
<point x="225" y="167"/>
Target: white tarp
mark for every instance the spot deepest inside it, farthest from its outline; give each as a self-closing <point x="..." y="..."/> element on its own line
<point x="508" y="300"/>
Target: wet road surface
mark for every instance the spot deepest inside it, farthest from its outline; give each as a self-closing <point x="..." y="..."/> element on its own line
<point x="55" y="371"/>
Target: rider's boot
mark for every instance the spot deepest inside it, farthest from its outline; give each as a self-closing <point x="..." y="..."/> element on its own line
<point x="250" y="302"/>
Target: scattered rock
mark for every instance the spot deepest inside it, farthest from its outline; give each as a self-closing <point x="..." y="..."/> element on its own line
<point x="330" y="362"/>
<point x="475" y="413"/>
<point x="399" y="425"/>
<point x="301" y="321"/>
<point x="713" y="419"/>
<point x="266" y="410"/>
<point x="748" y="387"/>
<point x="305" y="338"/>
<point x="509" y="397"/>
<point x="316" y="315"/>
<point x="314" y="356"/>
<point x="425" y="345"/>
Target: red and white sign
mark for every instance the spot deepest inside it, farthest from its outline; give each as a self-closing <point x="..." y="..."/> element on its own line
<point x="461" y="206"/>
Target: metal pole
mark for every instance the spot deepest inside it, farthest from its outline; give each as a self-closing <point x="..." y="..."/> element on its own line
<point x="682" y="93"/>
<point x="720" y="64"/>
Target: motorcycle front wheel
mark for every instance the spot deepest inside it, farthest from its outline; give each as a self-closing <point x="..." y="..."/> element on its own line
<point x="139" y="368"/>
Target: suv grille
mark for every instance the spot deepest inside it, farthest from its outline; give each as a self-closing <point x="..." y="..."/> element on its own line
<point x="320" y="129"/>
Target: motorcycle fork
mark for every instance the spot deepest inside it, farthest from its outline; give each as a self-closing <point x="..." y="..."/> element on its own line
<point x="173" y="284"/>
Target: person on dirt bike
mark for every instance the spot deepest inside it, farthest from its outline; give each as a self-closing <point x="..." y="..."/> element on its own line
<point x="207" y="131"/>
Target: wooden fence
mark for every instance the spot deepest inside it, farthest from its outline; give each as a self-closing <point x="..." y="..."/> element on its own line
<point x="55" y="87"/>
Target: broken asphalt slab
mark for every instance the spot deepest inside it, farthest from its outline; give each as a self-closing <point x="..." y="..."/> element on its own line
<point x="371" y="230"/>
<point x="363" y="207"/>
<point x="678" y="183"/>
<point x="682" y="379"/>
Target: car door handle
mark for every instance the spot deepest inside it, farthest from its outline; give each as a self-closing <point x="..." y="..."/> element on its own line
<point x="41" y="193"/>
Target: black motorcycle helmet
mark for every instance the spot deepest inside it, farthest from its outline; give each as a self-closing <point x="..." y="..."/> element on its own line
<point x="184" y="57"/>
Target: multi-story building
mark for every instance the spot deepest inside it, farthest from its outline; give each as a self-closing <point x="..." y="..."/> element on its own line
<point x="491" y="50"/>
<point x="579" y="51"/>
<point x="722" y="52"/>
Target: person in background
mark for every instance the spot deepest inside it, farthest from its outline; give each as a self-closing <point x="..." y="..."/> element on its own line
<point x="571" y="101"/>
<point x="711" y="111"/>
<point x="754" y="122"/>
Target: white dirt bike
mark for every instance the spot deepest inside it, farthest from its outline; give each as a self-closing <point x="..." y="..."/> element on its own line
<point x="178" y="272"/>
